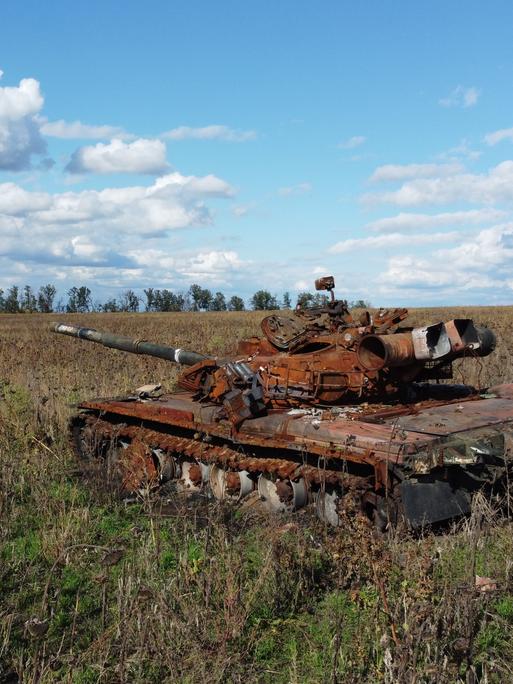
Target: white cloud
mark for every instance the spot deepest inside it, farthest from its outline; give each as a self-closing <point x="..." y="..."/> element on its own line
<point x="489" y="249"/>
<point x="409" y="276"/>
<point x="299" y="189"/>
<point x="353" y="142"/>
<point x="461" y="96"/>
<point x="16" y="201"/>
<point x="20" y="101"/>
<point x="241" y="210"/>
<point x="481" y="264"/>
<point x="319" y="270"/>
<point x="76" y="130"/>
<point x="398" y="172"/>
<point x="20" y="138"/>
<point x="498" y="136"/>
<point x="391" y="240"/>
<point x="102" y="227"/>
<point x="213" y="132"/>
<point x="486" y="188"/>
<point x="458" y="152"/>
<point x="413" y="222"/>
<point x="409" y="271"/>
<point x="140" y="156"/>
<point x="211" y="264"/>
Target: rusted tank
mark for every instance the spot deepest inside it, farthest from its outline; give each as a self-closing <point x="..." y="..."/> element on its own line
<point x="324" y="409"/>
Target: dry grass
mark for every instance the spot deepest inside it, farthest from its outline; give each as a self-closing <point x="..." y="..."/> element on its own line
<point x="210" y="593"/>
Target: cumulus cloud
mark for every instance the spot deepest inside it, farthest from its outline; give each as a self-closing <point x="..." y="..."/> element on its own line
<point x="20" y="137"/>
<point x="414" y="222"/>
<point x="16" y="201"/>
<point x="213" y="132"/>
<point x="299" y="189"/>
<point x="73" y="130"/>
<point x="410" y="271"/>
<point x="140" y="156"/>
<point x="102" y="227"/>
<point x="482" y="264"/>
<point x="487" y="188"/>
<point x="498" y="136"/>
<point x="213" y="266"/>
<point x="461" y="96"/>
<point x="399" y="172"/>
<point x="353" y="142"/>
<point x="22" y="100"/>
<point x="489" y="249"/>
<point x="391" y="240"/>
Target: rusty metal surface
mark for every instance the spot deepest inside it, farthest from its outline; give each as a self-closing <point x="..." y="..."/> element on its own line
<point x="456" y="418"/>
<point x="360" y="436"/>
<point x="205" y="452"/>
<point x="501" y="391"/>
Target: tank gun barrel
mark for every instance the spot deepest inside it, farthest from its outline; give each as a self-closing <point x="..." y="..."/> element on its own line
<point x="128" y="344"/>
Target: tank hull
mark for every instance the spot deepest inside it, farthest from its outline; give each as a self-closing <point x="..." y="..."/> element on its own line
<point x="423" y="461"/>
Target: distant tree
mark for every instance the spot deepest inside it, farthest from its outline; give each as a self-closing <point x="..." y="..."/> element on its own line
<point x="236" y="304"/>
<point x="201" y="297"/>
<point x="186" y="301"/>
<point x="110" y="306"/>
<point x="28" y="302"/>
<point x="129" y="301"/>
<point x="79" y="300"/>
<point x="45" y="298"/>
<point x="150" y="299"/>
<point x="178" y="302"/>
<point x="165" y="300"/>
<point x="360" y="304"/>
<point x="2" y="301"/>
<point x="263" y="300"/>
<point x="12" y="304"/>
<point x="218" y="302"/>
<point x="286" y="304"/>
<point x="174" y="302"/>
<point x="320" y="299"/>
<point x="305" y="299"/>
<point x="158" y="300"/>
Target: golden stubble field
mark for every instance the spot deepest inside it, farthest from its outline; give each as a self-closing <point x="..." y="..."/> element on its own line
<point x="125" y="595"/>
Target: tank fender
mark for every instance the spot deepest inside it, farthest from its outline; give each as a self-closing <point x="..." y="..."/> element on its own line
<point x="431" y="501"/>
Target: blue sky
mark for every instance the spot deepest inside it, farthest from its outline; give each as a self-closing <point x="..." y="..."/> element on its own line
<point x="259" y="145"/>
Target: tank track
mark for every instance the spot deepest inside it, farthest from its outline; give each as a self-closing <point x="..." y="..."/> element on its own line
<point x="132" y="457"/>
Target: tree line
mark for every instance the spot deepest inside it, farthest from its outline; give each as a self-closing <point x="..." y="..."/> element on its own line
<point x="196" y="298"/>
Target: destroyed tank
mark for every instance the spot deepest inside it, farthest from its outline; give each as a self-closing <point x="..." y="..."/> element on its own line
<point x="330" y="409"/>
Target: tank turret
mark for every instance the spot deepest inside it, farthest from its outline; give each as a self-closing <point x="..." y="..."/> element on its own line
<point x="316" y="356"/>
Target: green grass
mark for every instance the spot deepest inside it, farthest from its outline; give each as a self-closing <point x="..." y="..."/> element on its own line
<point x="237" y="597"/>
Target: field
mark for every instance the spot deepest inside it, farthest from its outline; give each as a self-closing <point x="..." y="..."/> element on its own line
<point x="97" y="590"/>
